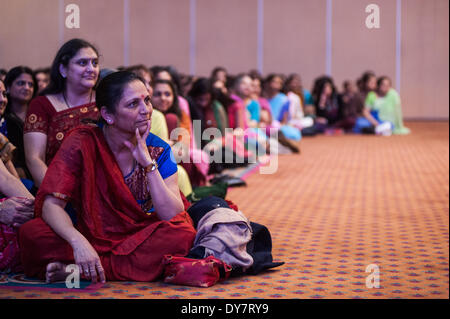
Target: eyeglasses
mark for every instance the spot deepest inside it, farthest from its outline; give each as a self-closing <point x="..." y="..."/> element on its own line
<point x="22" y="83"/>
<point x="159" y="94"/>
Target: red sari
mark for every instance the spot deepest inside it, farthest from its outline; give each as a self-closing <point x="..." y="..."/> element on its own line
<point x="42" y="117"/>
<point x="9" y="248"/>
<point x="130" y="242"/>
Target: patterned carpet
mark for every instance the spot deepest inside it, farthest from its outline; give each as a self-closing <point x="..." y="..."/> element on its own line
<point x="345" y="203"/>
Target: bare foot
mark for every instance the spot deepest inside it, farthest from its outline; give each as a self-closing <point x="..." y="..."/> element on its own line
<point x="56" y="271"/>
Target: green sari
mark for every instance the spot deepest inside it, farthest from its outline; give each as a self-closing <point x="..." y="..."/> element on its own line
<point x="389" y="110"/>
<point x="220" y="115"/>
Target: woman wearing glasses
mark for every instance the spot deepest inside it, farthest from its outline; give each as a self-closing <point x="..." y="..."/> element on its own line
<point x="68" y="101"/>
<point x="20" y="87"/>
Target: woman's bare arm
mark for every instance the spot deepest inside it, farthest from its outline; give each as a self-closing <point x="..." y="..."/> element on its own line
<point x="35" y="145"/>
<point x="85" y="256"/>
<point x="10" y="185"/>
<point x="165" y="195"/>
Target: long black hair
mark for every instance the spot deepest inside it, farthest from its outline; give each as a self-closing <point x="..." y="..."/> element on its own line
<point x="216" y="70"/>
<point x="265" y="85"/>
<point x="362" y="81"/>
<point x="175" y="108"/>
<point x="200" y="87"/>
<point x="299" y="91"/>
<point x="174" y="75"/>
<point x="12" y="75"/>
<point x="319" y="85"/>
<point x="63" y="56"/>
<point x="381" y="79"/>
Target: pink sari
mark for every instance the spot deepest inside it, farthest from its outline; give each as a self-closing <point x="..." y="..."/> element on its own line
<point x="9" y="248"/>
<point x="199" y="157"/>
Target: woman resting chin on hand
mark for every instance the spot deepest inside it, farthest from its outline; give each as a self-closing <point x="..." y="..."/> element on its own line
<point x="122" y="182"/>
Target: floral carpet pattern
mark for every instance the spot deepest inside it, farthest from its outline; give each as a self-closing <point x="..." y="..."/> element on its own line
<point x="344" y="207"/>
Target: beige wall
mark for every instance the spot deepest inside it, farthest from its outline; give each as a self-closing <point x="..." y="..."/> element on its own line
<point x="425" y="58"/>
<point x="294" y="38"/>
<point x="101" y="23"/>
<point x="29" y="32"/>
<point x="159" y="33"/>
<point x="226" y="33"/>
<point x="357" y="48"/>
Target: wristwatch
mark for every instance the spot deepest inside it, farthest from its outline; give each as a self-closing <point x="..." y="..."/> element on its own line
<point x="153" y="166"/>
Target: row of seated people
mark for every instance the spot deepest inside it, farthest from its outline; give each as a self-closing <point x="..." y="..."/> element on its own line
<point x="57" y="155"/>
<point x="235" y="102"/>
<point x="86" y="181"/>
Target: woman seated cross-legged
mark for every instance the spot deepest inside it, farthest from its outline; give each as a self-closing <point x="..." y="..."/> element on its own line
<point x="65" y="103"/>
<point x="122" y="182"/>
<point x="15" y="209"/>
<point x="16" y="202"/>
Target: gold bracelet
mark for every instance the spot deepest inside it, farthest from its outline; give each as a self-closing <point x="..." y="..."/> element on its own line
<point x="153" y="166"/>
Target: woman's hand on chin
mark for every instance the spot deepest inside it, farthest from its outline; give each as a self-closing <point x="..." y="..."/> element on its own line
<point x="140" y="150"/>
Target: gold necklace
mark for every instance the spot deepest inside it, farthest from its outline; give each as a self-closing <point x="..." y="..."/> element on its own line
<point x="65" y="100"/>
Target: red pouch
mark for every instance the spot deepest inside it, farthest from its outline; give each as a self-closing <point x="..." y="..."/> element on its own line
<point x="232" y="205"/>
<point x="194" y="272"/>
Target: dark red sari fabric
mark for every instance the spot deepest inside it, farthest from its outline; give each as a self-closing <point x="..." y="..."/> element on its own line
<point x="43" y="118"/>
<point x="130" y="242"/>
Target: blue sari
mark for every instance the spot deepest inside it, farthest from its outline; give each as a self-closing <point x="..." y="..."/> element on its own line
<point x="279" y="105"/>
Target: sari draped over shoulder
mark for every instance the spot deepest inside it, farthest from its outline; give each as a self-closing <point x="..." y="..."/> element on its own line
<point x="279" y="105"/>
<point x="388" y="109"/>
<point x="131" y="242"/>
<point x="391" y="111"/>
<point x="43" y="118"/>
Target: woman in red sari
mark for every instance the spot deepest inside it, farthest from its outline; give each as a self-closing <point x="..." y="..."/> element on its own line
<point x="64" y="104"/>
<point x="122" y="181"/>
<point x="16" y="202"/>
<point x="14" y="211"/>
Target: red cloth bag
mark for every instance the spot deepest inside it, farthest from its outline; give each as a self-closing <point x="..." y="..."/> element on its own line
<point x="194" y="272"/>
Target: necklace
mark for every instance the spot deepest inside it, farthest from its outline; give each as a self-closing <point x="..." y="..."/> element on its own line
<point x="67" y="103"/>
